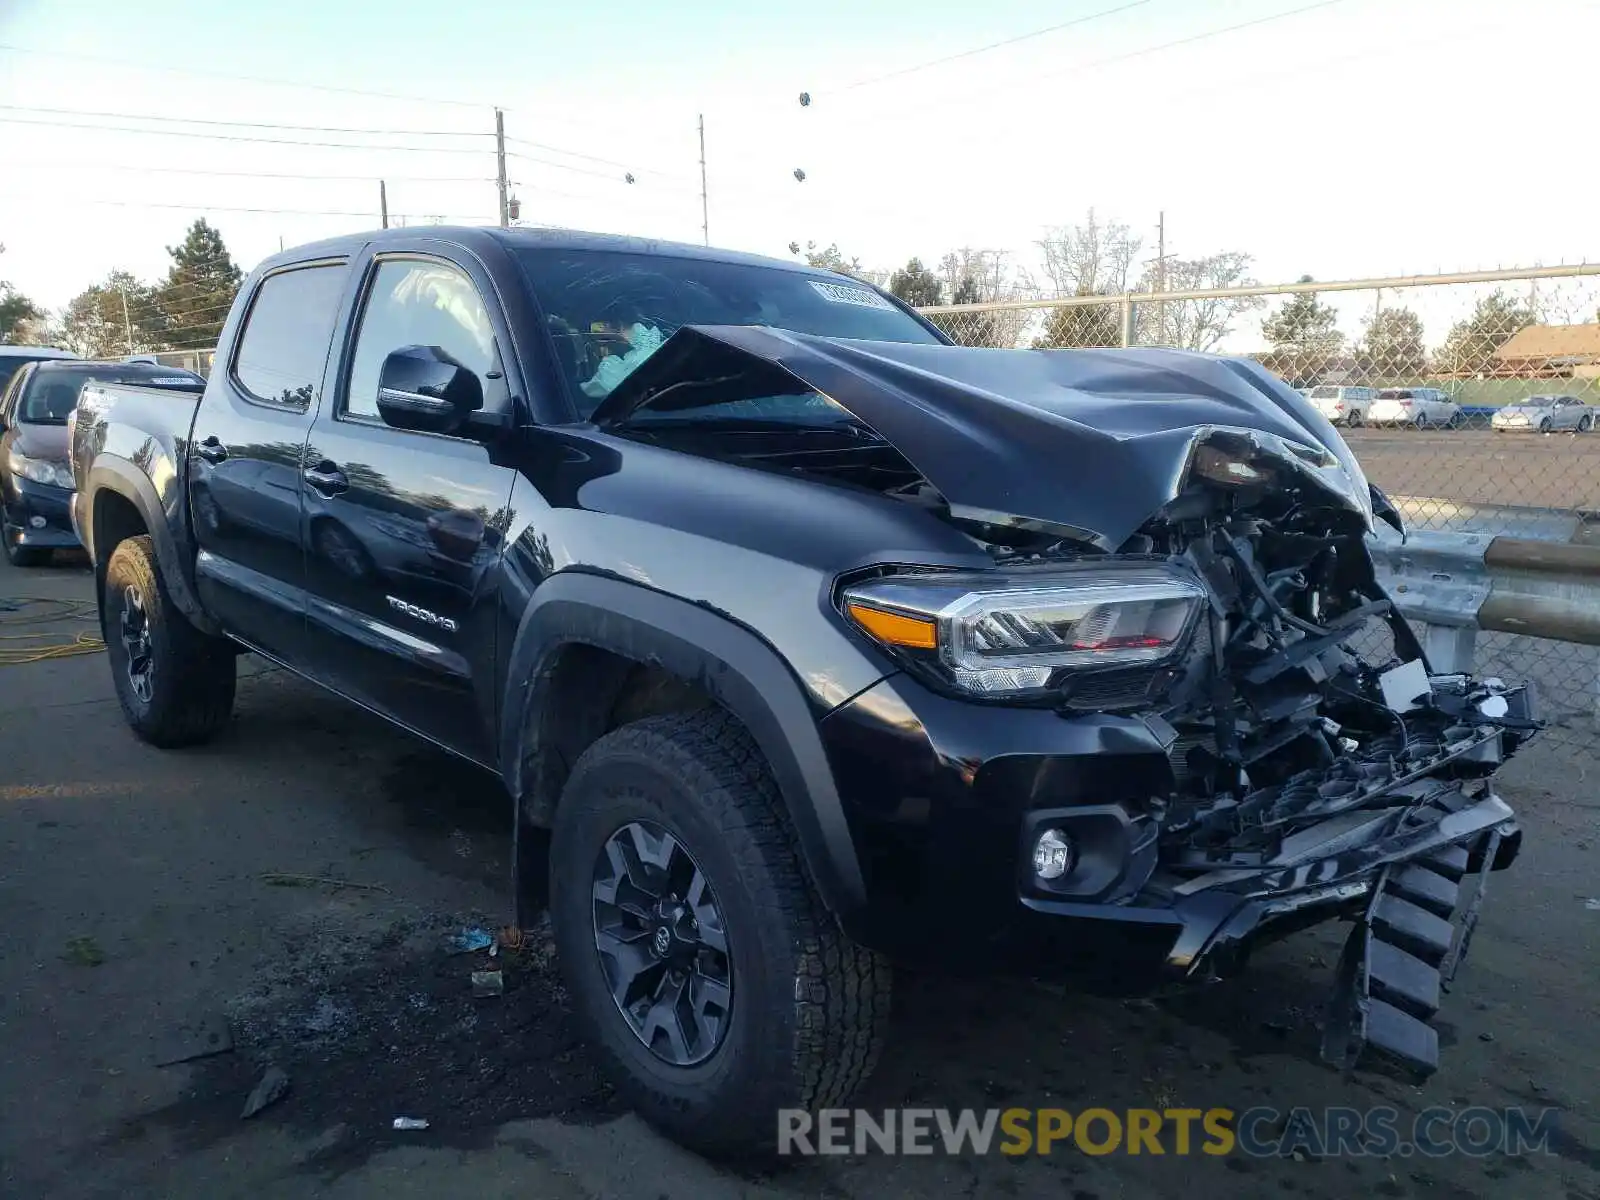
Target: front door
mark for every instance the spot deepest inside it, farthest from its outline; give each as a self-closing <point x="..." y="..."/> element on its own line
<point x="244" y="461"/>
<point x="403" y="531"/>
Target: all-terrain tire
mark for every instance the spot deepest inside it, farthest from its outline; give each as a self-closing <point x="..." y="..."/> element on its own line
<point x="808" y="1008"/>
<point x="189" y="681"/>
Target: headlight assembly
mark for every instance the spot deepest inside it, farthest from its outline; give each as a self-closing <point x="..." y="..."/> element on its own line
<point x="40" y="470"/>
<point x="1012" y="634"/>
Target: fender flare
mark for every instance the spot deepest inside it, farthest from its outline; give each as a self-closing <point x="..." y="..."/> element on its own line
<point x="734" y="666"/>
<point x="121" y="477"/>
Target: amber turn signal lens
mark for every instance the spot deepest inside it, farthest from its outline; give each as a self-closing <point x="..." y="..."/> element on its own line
<point x="914" y="633"/>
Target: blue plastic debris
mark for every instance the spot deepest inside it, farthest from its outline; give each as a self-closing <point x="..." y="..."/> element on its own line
<point x="469" y="940"/>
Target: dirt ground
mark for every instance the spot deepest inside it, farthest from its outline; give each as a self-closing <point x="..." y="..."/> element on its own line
<point x="293" y="885"/>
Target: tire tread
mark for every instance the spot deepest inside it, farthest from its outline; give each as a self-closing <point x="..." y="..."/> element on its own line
<point x="841" y="990"/>
<point x="196" y="698"/>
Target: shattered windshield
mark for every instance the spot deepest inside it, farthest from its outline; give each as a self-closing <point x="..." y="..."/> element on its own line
<point x="609" y="311"/>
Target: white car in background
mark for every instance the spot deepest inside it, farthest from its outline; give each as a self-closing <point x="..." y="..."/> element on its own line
<point x="1414" y="406"/>
<point x="1343" y="405"/>
<point x="1543" y="414"/>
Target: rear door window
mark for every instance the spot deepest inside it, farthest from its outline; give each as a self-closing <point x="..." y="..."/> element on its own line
<point x="283" y="347"/>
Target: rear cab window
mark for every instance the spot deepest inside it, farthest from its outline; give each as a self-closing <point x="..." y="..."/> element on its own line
<point x="281" y="350"/>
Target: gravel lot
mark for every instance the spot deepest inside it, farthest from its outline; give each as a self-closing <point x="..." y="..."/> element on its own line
<point x="139" y="903"/>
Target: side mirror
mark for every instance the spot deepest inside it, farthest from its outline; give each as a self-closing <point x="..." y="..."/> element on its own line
<point x="423" y="388"/>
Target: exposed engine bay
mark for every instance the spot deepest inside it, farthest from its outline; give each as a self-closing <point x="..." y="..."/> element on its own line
<point x="1293" y="712"/>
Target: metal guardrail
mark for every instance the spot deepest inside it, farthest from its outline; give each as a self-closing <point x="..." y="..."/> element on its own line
<point x="1460" y="584"/>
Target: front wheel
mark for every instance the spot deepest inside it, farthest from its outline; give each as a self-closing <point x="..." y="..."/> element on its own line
<point x="702" y="964"/>
<point x="1585" y="424"/>
<point x="175" y="684"/>
<point x="1544" y="425"/>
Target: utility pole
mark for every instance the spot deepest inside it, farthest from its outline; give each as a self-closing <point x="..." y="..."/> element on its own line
<point x="705" y="218"/>
<point x="500" y="165"/>
<point x="383" y="202"/>
<point x="1161" y="274"/>
<point x="127" y="325"/>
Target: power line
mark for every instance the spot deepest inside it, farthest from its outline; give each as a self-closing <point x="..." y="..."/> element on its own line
<point x="967" y="97"/>
<point x="226" y="137"/>
<point x="157" y="170"/>
<point x="561" y="166"/>
<point x="124" y="116"/>
<point x="300" y="212"/>
<point x="202" y="74"/>
<point x="621" y="166"/>
<point x="1010" y="41"/>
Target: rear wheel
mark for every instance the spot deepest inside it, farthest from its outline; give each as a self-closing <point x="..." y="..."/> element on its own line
<point x="175" y="684"/>
<point x="701" y="962"/>
<point x="1544" y="425"/>
<point x="1353" y="420"/>
<point x="1585" y="424"/>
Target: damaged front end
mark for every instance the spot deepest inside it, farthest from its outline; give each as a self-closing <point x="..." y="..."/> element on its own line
<point x="1318" y="765"/>
<point x="1182" y="540"/>
<point x="1319" y="770"/>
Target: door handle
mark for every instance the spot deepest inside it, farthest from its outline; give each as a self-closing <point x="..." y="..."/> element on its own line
<point x="326" y="478"/>
<point x="212" y="450"/>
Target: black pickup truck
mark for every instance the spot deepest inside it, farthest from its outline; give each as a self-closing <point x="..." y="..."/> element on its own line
<point x="804" y="640"/>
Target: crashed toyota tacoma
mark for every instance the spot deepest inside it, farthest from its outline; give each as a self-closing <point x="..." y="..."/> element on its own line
<point x="804" y="640"/>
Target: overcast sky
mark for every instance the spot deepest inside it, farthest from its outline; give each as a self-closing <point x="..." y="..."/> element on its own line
<point x="1341" y="138"/>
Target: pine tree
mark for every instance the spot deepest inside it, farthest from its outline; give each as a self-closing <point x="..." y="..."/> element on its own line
<point x="917" y="285"/>
<point x="199" y="288"/>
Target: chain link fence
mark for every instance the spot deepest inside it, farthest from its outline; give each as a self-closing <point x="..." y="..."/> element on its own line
<point x="1471" y="399"/>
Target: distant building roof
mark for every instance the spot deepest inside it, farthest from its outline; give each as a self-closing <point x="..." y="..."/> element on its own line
<point x="1569" y="344"/>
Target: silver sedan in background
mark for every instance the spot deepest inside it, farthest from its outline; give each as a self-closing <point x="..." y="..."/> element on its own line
<point x="1543" y="414"/>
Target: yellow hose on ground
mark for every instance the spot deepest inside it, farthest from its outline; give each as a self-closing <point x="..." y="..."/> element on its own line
<point x="42" y="646"/>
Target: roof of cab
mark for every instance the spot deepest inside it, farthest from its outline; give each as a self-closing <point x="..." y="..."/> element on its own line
<point x="477" y="237"/>
<point x="57" y="365"/>
<point x="35" y="352"/>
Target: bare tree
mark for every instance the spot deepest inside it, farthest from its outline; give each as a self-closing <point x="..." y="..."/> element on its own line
<point x="983" y="277"/>
<point x="1196" y="324"/>
<point x="1092" y="259"/>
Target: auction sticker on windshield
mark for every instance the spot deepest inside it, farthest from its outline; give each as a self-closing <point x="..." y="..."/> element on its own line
<point x="839" y="294"/>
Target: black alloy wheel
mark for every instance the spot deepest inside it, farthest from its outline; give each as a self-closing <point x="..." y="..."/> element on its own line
<point x="135" y="629"/>
<point x="662" y="942"/>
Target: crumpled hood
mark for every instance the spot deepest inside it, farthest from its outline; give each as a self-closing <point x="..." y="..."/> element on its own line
<point x="1086" y="442"/>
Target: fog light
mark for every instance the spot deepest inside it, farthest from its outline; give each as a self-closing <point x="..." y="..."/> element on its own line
<point x="1052" y="855"/>
<point x="36" y="522"/>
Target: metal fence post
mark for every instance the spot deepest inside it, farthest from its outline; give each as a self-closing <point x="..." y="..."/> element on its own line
<point x="1128" y="309"/>
<point x="1449" y="648"/>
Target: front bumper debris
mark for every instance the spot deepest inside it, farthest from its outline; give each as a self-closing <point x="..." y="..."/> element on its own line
<point x="1403" y="952"/>
<point x="52" y="505"/>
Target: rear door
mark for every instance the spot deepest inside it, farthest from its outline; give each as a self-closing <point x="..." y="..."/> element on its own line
<point x="403" y="531"/>
<point x="245" y="460"/>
